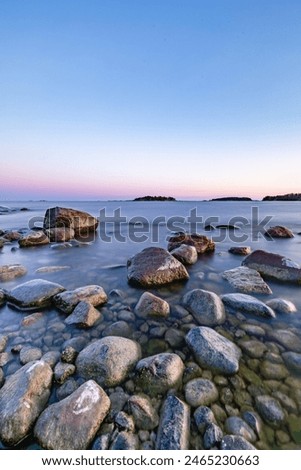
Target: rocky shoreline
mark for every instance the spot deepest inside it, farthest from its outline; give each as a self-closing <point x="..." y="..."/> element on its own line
<point x="90" y="369"/>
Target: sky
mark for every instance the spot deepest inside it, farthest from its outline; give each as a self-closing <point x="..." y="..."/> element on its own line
<point x="115" y="99"/>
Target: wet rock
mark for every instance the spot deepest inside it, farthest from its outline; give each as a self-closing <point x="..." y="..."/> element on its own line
<point x="78" y="343"/>
<point x="201" y="243"/>
<point x="230" y="442"/>
<point x="246" y="280"/>
<point x="145" y="415"/>
<point x="66" y="389"/>
<point x="174" y="427"/>
<point x="22" y="398"/>
<point x="51" y="358"/>
<point x="60" y="234"/>
<point x="253" y="330"/>
<point x="84" y="315"/>
<point x="279" y="232"/>
<point x="108" y="360"/>
<point x="213" y="351"/>
<point x="200" y="392"/>
<point x="270" y="370"/>
<point x="12" y="236"/>
<point x="159" y="373"/>
<point x="34" y="239"/>
<point x="154" y="267"/>
<point x="102" y="442"/>
<point x="151" y="306"/>
<point x="51" y="269"/>
<point x="273" y="266"/>
<point x="118" y="400"/>
<point x="118" y="328"/>
<point x="286" y="402"/>
<point x="237" y="426"/>
<point x="247" y="304"/>
<point x="11" y="271"/>
<point x="63" y="371"/>
<point x="68" y="300"/>
<point x="282" y="306"/>
<point x="2" y="297"/>
<point x="29" y="354"/>
<point x="240" y="250"/>
<point x="294" y="426"/>
<point x="185" y="254"/>
<point x="125" y="441"/>
<point x="124" y="422"/>
<point x="212" y="436"/>
<point x="4" y="359"/>
<point x="253" y="420"/>
<point x="3" y="342"/>
<point x="270" y="411"/>
<point x="81" y="222"/>
<point x="175" y="338"/>
<point x="69" y="355"/>
<point x="32" y="319"/>
<point x="286" y="338"/>
<point x="206" y="307"/>
<point x="1" y="377"/>
<point x="37" y="293"/>
<point x="253" y="348"/>
<point x="203" y="416"/>
<point x="73" y="422"/>
<point x="292" y="360"/>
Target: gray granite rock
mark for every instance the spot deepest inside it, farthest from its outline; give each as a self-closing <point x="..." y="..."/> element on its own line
<point x="36" y="293"/>
<point x="292" y="360"/>
<point x="185" y="254"/>
<point x="253" y="420"/>
<point x="174" y="427"/>
<point x="63" y="371"/>
<point x="11" y="271"/>
<point x="3" y="342"/>
<point x="231" y="442"/>
<point x="29" y="354"/>
<point x="246" y="280"/>
<point x="81" y="222"/>
<point x="125" y="441"/>
<point x="73" y="422"/>
<point x="236" y="426"/>
<point x="84" y="315"/>
<point x="247" y="304"/>
<point x="253" y="348"/>
<point x="286" y="338"/>
<point x="145" y="415"/>
<point x="68" y="300"/>
<point x="212" y="436"/>
<point x="118" y="328"/>
<point x="200" y="392"/>
<point x="206" y="307"/>
<point x="270" y="410"/>
<point x="203" y="416"/>
<point x="273" y="265"/>
<point x="151" y="306"/>
<point x="201" y="243"/>
<point x="282" y="306"/>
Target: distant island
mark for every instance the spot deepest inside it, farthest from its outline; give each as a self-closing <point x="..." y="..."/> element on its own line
<point x="284" y="197"/>
<point x="231" y="199"/>
<point x="155" y="198"/>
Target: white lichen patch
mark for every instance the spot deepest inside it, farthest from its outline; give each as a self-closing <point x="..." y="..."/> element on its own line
<point x="89" y="396"/>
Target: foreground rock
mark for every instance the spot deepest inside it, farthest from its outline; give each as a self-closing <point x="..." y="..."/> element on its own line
<point x="22" y="398"/>
<point x="154" y="267"/>
<point x="273" y="266"/>
<point x="34" y="239"/>
<point x="11" y="271"/>
<point x="73" y="422"/>
<point x="60" y="234"/>
<point x="69" y="299"/>
<point x="206" y="307"/>
<point x="84" y="315"/>
<point x="185" y="254"/>
<point x="150" y="305"/>
<point x="201" y="243"/>
<point x="247" y="304"/>
<point x="61" y="217"/>
<point x="200" y="392"/>
<point x="213" y="351"/>
<point x="159" y="373"/>
<point x="108" y="360"/>
<point x="173" y="432"/>
<point x="246" y="280"/>
<point x="37" y="293"/>
<point x="279" y="232"/>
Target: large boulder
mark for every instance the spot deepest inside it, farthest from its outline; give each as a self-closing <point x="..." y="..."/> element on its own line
<point x="73" y="422"/>
<point x="22" y="398"/>
<point x="108" y="360"/>
<point x="279" y="232"/>
<point x="154" y="267"/>
<point x="60" y="234"/>
<point x="213" y="351"/>
<point x="246" y="280"/>
<point x="206" y="307"/>
<point x="201" y="243"/>
<point x="174" y="427"/>
<point x="11" y="271"/>
<point x="273" y="265"/>
<point x="81" y="222"/>
<point x="68" y="300"/>
<point x="36" y="293"/>
<point x="34" y="239"/>
<point x="247" y="304"/>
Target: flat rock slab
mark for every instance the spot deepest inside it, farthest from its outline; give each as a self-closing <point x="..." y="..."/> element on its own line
<point x="174" y="427"/>
<point x="247" y="304"/>
<point x="246" y="280"/>
<point x="73" y="422"/>
<point x="69" y="299"/>
<point x="84" y="315"/>
<point x="22" y="398"/>
<point x="37" y="293"/>
<point x="81" y="222"/>
<point x="51" y="269"/>
<point x="206" y="307"/>
<point x="213" y="351"/>
<point x="154" y="267"/>
<point x="201" y="243"/>
<point x="108" y="360"/>
<point x="151" y="306"/>
<point x="274" y="266"/>
<point x="34" y="239"/>
<point x="11" y="271"/>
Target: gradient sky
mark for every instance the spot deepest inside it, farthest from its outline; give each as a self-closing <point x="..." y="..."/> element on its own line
<point x="105" y="99"/>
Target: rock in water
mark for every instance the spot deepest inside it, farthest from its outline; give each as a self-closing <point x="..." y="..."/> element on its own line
<point x="231" y="442"/>
<point x="292" y="360"/>
<point x="279" y="232"/>
<point x="246" y="280"/>
<point x="81" y="222"/>
<point x="270" y="410"/>
<point x="73" y="422"/>
<point x="11" y="271"/>
<point x="200" y="392"/>
<point x="282" y="306"/>
<point x="69" y="299"/>
<point x="247" y="304"/>
<point x="60" y="234"/>
<point x="286" y="338"/>
<point x="154" y="267"/>
<point x="185" y="254"/>
<point x="151" y="306"/>
<point x="22" y="398"/>
<point x="108" y="360"/>
<point x="33" y="294"/>
<point x="33" y="239"/>
<point x="240" y="250"/>
<point x="274" y="266"/>
<point x="2" y="297"/>
<point x="201" y="243"/>
<point x="206" y="307"/>
<point x="84" y="315"/>
<point x="173" y="432"/>
<point x="145" y="415"/>
<point x="213" y="351"/>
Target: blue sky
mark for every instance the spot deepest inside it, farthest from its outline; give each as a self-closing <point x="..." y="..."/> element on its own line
<point x="120" y="98"/>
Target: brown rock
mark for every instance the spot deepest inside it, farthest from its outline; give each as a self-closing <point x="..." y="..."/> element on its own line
<point x="240" y="250"/>
<point x="60" y="234"/>
<point x="279" y="232"/>
<point x="273" y="265"/>
<point x="11" y="271"/>
<point x="33" y="239"/>
<point x="81" y="222"/>
<point x="200" y="242"/>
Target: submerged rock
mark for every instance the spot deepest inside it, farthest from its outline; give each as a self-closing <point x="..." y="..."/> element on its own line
<point x="200" y="392"/>
<point x="246" y="280"/>
<point x="69" y="299"/>
<point x="230" y="442"/>
<point x="270" y="410"/>
<point x="155" y="266"/>
<point x="203" y="416"/>
<point x="212" y="436"/>
<point x="11" y="271"/>
<point x="206" y="307"/>
<point x="174" y="427"/>
<point x="237" y="426"/>
<point x="125" y="441"/>
<point x="282" y="306"/>
<point x="213" y="351"/>
<point x="240" y="250"/>
<point x="274" y="266"/>
<point x="22" y="398"/>
<point x="247" y="304"/>
<point x="73" y="422"/>
<point x="34" y="239"/>
<point x="185" y="254"/>
<point x="286" y="338"/>
<point x="145" y="415"/>
<point x="201" y="243"/>
<point x="150" y="305"/>
<point x="279" y="231"/>
<point x="292" y="360"/>
<point x="51" y="269"/>
<point x="33" y="294"/>
<point x="81" y="222"/>
<point x="84" y="315"/>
